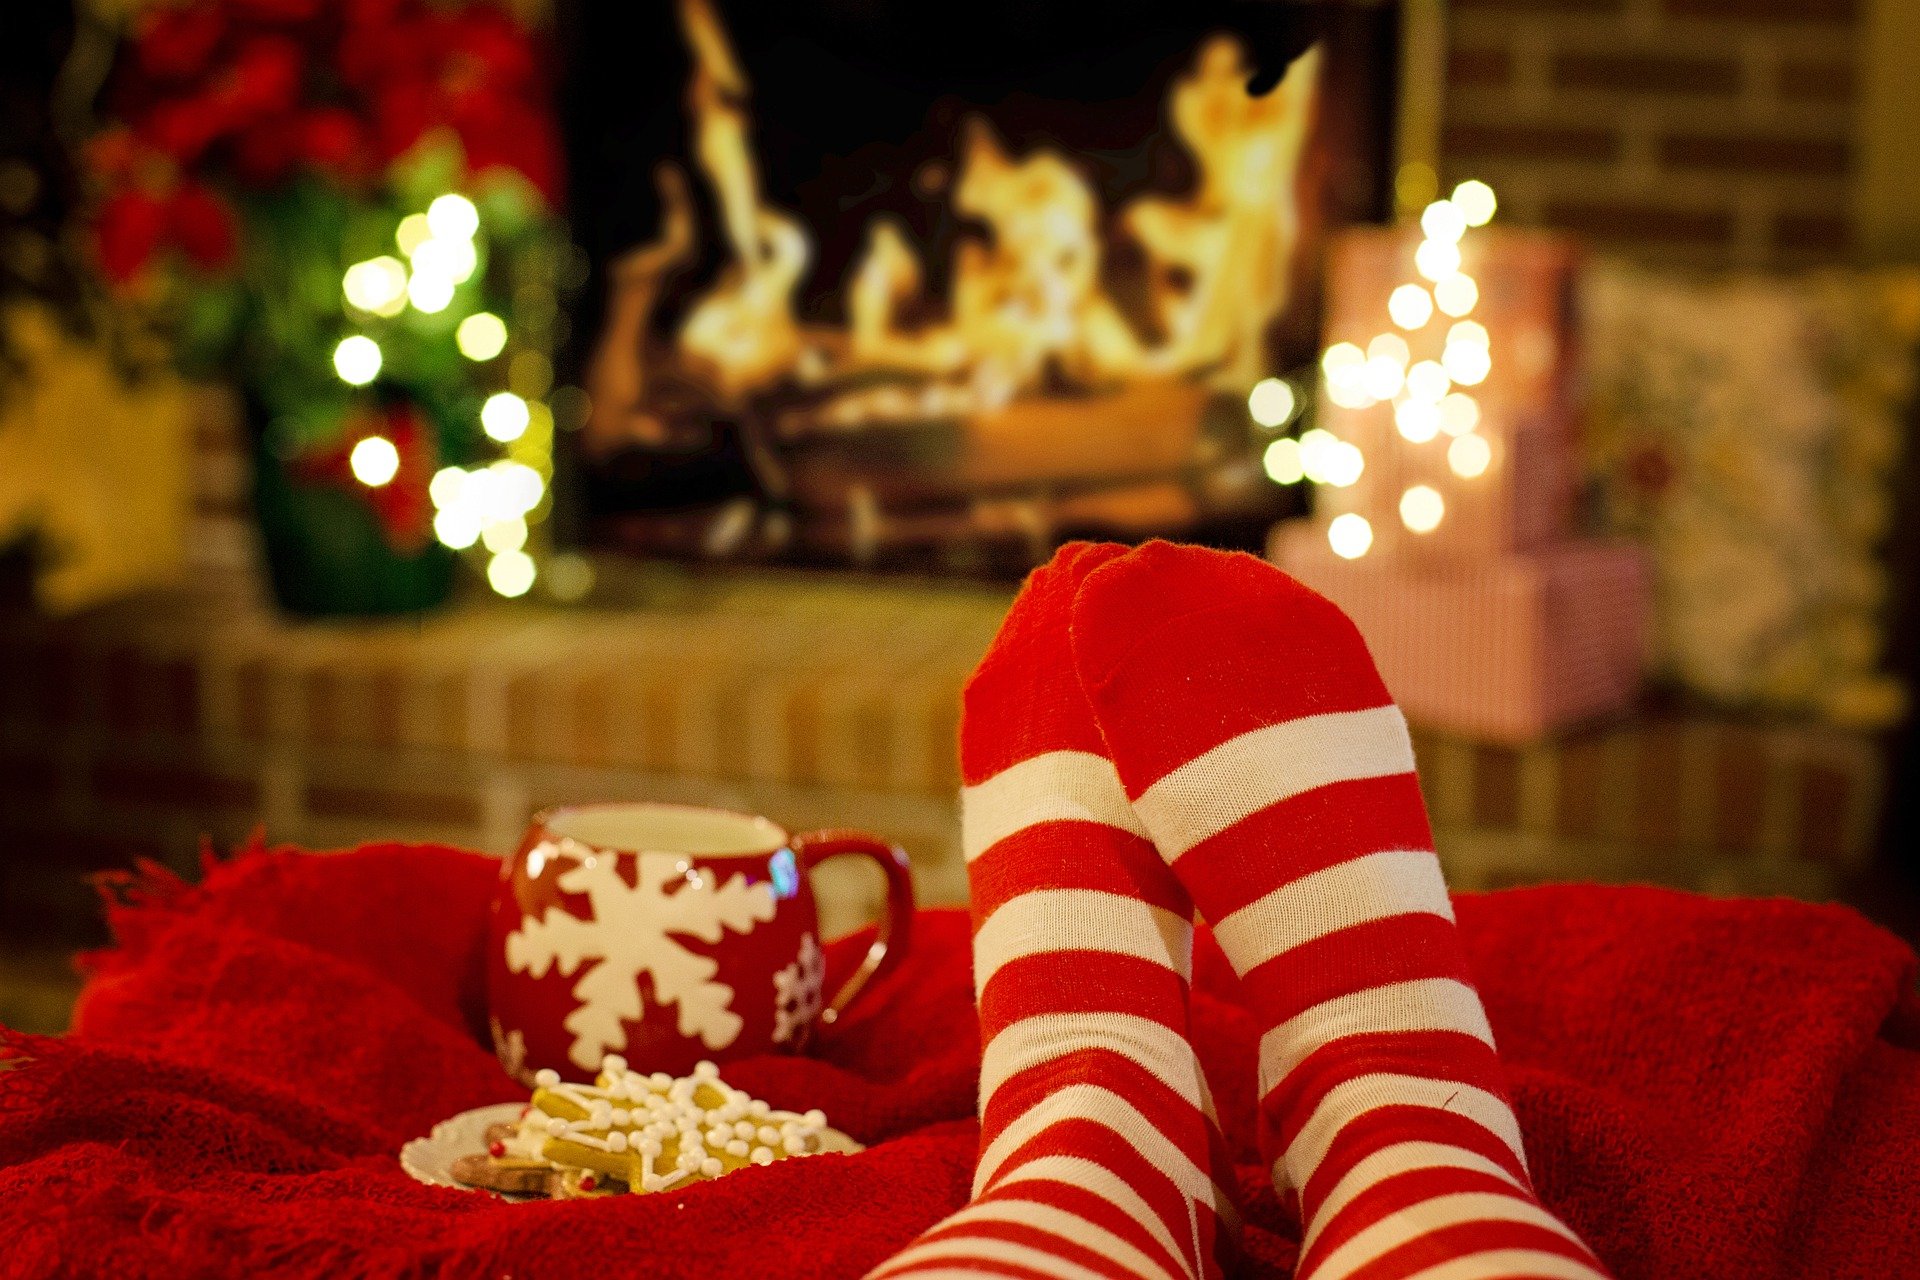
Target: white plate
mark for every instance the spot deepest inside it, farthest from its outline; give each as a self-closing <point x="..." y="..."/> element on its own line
<point x="430" y="1159"/>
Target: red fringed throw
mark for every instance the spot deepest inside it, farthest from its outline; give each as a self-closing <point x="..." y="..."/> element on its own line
<point x="1708" y="1088"/>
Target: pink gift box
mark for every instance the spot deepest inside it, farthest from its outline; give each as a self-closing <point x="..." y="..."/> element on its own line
<point x="1505" y="650"/>
<point x="1524" y="500"/>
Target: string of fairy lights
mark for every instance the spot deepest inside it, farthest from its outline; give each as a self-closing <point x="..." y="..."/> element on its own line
<point x="1428" y="396"/>
<point x="489" y="505"/>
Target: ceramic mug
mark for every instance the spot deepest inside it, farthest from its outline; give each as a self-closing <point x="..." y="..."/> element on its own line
<point x="669" y="934"/>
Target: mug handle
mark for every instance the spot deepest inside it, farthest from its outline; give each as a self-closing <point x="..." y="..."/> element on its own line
<point x="896" y="926"/>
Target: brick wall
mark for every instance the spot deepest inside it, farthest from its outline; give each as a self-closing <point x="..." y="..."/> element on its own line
<point x="1713" y="132"/>
<point x="139" y="729"/>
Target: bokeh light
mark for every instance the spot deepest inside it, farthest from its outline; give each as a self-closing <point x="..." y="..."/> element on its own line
<point x="453" y="217"/>
<point x="374" y="461"/>
<point x="1418" y="421"/>
<point x="511" y="573"/>
<point x="1410" y="306"/>
<point x="1469" y="456"/>
<point x="504" y="416"/>
<point x="357" y="360"/>
<point x="1437" y="259"/>
<point x="481" y="336"/>
<point x="1282" y="461"/>
<point x="1443" y="220"/>
<point x="1475" y="201"/>
<point x="378" y="285"/>
<point x="1350" y="535"/>
<point x="1271" y="402"/>
<point x="1421" y="508"/>
<point x="1457" y="294"/>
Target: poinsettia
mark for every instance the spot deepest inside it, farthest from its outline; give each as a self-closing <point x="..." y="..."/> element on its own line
<point x="259" y="151"/>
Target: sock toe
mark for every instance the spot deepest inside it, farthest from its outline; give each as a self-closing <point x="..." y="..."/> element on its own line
<point x="1025" y="689"/>
<point x="1180" y="644"/>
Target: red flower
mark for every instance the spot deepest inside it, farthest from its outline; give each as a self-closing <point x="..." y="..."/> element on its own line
<point x="264" y="77"/>
<point x="178" y="44"/>
<point x="401" y="113"/>
<point x="283" y="11"/>
<point x="266" y="152"/>
<point x="127" y="233"/>
<point x="183" y="128"/>
<point x="202" y="226"/>
<point x="520" y="140"/>
<point x="334" y="140"/>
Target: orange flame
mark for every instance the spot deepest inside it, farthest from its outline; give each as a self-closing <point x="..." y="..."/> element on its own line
<point x="1028" y="293"/>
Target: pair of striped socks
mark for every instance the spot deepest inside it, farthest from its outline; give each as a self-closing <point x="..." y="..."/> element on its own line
<point x="1170" y="728"/>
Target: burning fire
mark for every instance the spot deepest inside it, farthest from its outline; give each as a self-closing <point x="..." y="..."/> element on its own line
<point x="1028" y="296"/>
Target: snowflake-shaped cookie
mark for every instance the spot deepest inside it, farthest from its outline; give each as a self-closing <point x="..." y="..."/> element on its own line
<point x="796" y="991"/>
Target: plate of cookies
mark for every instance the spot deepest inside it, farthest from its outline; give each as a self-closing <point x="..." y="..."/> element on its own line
<point x="628" y="1132"/>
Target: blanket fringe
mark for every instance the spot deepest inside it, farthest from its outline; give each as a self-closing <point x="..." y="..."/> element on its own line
<point x="142" y="902"/>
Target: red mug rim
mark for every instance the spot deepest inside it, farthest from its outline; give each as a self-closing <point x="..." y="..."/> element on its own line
<point x="545" y="818"/>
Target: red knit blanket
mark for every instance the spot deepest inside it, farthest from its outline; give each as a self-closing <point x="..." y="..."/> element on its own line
<point x="1708" y="1088"/>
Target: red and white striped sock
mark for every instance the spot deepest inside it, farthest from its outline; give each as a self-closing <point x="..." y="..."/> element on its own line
<point x="1097" y="1154"/>
<point x="1265" y="758"/>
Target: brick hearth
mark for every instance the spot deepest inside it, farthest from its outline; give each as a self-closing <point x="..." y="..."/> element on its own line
<point x="819" y="701"/>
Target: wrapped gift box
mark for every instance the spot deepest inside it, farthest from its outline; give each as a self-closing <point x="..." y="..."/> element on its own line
<point x="1524" y="499"/>
<point x="1504" y="650"/>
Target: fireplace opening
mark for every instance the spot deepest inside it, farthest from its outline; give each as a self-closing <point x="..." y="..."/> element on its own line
<point x="939" y="286"/>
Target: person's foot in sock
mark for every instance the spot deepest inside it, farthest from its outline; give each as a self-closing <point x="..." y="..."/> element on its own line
<point x="1265" y="758"/>
<point x="1097" y="1156"/>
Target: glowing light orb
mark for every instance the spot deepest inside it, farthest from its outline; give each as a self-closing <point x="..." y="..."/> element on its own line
<point x="504" y="535"/>
<point x="378" y="285"/>
<point x="504" y="416"/>
<point x="374" y="461"/>
<point x="1341" y="355"/>
<point x="429" y="292"/>
<point x="1282" y="461"/>
<point x="518" y="488"/>
<point x="1475" y="201"/>
<point x="511" y="573"/>
<point x="1344" y="464"/>
<point x="457" y="527"/>
<point x="1457" y="294"/>
<point x="1350" y="535"/>
<point x="481" y="336"/>
<point x="453" y="217"/>
<point x="1316" y="449"/>
<point x="1421" y="508"/>
<point x="453" y="260"/>
<point x="357" y="360"/>
<point x="1271" y="402"/>
<point x="412" y="233"/>
<point x="1384" y="378"/>
<point x="1466" y="364"/>
<point x="1410" y="306"/>
<point x="1469" y="456"/>
<point x="1389" y="346"/>
<point x="1428" y="381"/>
<point x="1417" y="420"/>
<point x="1469" y="332"/>
<point x="1459" y="413"/>
<point x="1345" y="366"/>
<point x="1437" y="259"/>
<point x="1443" y="220"/>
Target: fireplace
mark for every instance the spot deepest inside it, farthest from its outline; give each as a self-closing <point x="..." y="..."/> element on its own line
<point x="939" y="286"/>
